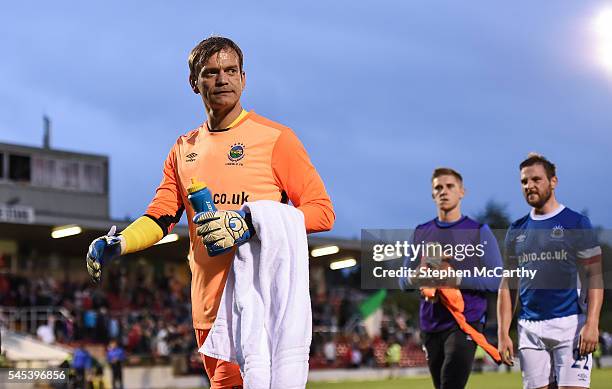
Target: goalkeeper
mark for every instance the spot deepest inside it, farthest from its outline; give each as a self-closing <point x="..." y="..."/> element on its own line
<point x="242" y="157"/>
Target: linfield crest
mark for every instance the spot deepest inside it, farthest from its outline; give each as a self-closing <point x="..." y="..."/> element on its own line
<point x="236" y="152"/>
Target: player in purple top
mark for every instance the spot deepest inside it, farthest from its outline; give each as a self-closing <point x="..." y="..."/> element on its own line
<point x="450" y="352"/>
<point x="558" y="320"/>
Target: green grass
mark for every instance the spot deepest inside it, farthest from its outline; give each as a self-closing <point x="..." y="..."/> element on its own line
<point x="600" y="379"/>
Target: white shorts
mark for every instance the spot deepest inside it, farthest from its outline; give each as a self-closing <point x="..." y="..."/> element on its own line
<point x="548" y="352"/>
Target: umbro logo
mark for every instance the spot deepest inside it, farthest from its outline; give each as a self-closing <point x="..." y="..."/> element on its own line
<point x="191" y="157"/>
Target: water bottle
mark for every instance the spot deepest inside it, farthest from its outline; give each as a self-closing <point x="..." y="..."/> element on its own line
<point x="201" y="200"/>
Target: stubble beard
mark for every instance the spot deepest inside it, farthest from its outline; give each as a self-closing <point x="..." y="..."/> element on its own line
<point x="542" y="198"/>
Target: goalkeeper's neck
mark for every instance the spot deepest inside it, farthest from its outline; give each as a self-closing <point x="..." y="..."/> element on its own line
<point x="223" y="118"/>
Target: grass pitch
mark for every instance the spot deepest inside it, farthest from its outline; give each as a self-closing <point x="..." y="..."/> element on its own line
<point x="600" y="379"/>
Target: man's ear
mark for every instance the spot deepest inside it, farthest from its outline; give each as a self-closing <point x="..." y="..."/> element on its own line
<point x="553" y="182"/>
<point x="194" y="85"/>
<point x="243" y="80"/>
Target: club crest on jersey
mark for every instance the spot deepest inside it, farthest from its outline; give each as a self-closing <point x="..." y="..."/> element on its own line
<point x="236" y="153"/>
<point x="557" y="232"/>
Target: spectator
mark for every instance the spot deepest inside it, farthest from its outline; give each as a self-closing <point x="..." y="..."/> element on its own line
<point x="367" y="352"/>
<point x="394" y="356"/>
<point x="161" y="343"/>
<point x="45" y="332"/>
<point x="606" y="342"/>
<point x="89" y="322"/>
<point x="134" y="338"/>
<point x="96" y="380"/>
<point x="115" y="357"/>
<point x="60" y="329"/>
<point x="355" y="356"/>
<point x="597" y="354"/>
<point x="81" y="363"/>
<point x="113" y="328"/>
<point x="479" y="360"/>
<point x="329" y="351"/>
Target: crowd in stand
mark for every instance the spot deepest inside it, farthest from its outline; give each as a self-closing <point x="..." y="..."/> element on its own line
<point x="150" y="320"/>
<point x="340" y="339"/>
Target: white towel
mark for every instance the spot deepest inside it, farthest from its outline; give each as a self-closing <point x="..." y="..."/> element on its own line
<point x="264" y="322"/>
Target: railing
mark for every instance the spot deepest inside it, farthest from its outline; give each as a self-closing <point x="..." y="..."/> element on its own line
<point x="28" y="319"/>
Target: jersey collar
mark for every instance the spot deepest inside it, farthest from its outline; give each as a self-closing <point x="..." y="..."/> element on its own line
<point x="442" y="224"/>
<point x="546" y="216"/>
<point x="232" y="124"/>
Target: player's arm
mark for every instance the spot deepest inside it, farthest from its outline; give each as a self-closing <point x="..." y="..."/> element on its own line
<point x="302" y="184"/>
<point x="164" y="211"/>
<point x="504" y="319"/>
<point x="504" y="306"/>
<point x="162" y="214"/>
<point x="490" y="259"/>
<point x="589" y="334"/>
<point x="588" y="253"/>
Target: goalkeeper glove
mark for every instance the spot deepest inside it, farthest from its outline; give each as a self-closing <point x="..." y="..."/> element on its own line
<point x="102" y="250"/>
<point x="221" y="230"/>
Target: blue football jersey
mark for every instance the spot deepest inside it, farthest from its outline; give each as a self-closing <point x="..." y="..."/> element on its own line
<point x="552" y="245"/>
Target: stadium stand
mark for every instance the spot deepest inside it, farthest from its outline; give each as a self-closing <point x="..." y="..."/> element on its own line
<point x="143" y="300"/>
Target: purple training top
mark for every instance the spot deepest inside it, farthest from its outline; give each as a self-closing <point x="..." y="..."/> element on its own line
<point x="434" y="317"/>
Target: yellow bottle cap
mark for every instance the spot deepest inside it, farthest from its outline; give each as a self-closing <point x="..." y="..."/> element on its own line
<point x="195" y="186"/>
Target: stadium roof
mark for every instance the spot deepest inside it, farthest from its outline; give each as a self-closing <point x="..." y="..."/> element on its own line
<point x="12" y="147"/>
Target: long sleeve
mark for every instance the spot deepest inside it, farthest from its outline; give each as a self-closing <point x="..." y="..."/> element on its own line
<point x="492" y="259"/>
<point x="167" y="206"/>
<point x="162" y="214"/>
<point x="301" y="182"/>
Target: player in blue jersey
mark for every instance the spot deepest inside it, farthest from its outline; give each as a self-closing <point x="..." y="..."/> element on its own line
<point x="559" y="316"/>
<point x="450" y="350"/>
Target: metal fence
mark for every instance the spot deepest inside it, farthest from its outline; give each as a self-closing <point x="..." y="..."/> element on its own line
<point x="28" y="319"/>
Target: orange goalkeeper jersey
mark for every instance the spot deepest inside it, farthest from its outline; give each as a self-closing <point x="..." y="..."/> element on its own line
<point x="256" y="159"/>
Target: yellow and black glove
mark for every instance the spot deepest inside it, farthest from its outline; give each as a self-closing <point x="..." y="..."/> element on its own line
<point x="222" y="230"/>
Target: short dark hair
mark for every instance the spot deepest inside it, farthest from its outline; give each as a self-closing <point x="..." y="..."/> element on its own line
<point x="206" y="49"/>
<point x="446" y="171"/>
<point x="535" y="159"/>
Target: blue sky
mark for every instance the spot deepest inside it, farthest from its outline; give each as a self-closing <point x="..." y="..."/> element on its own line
<point x="379" y="92"/>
